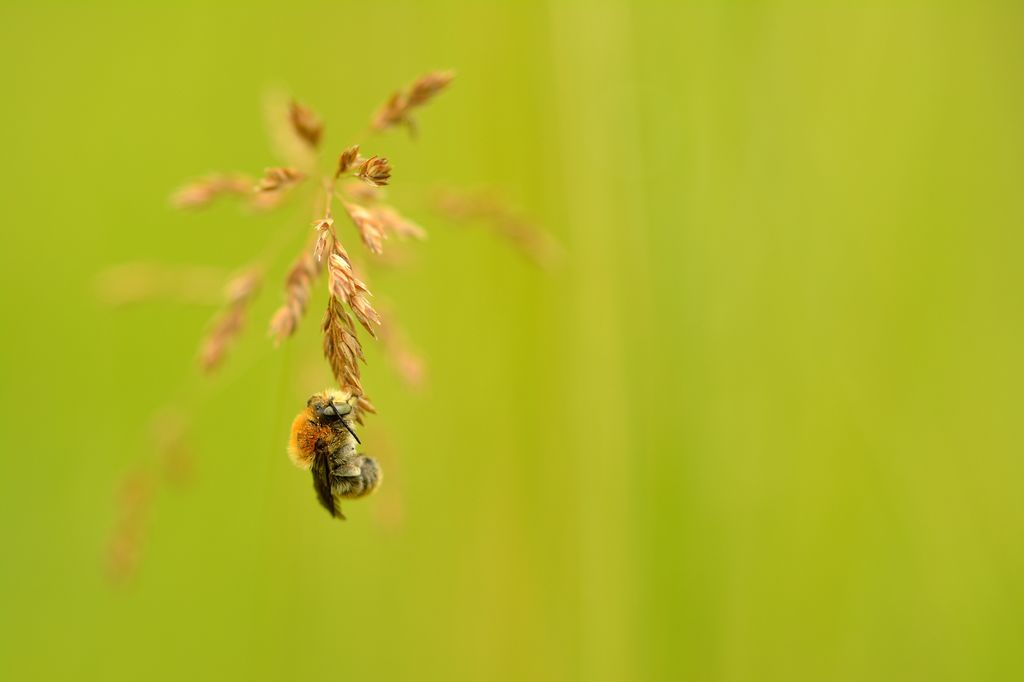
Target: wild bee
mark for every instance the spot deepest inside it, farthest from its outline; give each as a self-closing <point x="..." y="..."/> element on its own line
<point x="322" y="440"/>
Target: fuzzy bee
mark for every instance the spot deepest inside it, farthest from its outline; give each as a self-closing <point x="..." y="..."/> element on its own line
<point x="322" y="440"/>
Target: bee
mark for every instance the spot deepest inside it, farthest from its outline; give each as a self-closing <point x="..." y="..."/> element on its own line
<point x="322" y="440"/>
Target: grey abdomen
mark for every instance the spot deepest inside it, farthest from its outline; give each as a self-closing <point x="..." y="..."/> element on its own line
<point x="356" y="486"/>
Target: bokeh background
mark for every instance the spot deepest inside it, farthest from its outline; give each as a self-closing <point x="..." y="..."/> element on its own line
<point x="763" y="422"/>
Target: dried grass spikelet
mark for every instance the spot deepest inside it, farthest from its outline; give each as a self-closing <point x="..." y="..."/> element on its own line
<point x="265" y="201"/>
<point x="325" y="232"/>
<point x="392" y="220"/>
<point x="342" y="283"/>
<point x="286" y="141"/>
<point x="426" y="86"/>
<point x="347" y="293"/>
<point x="391" y="113"/>
<point x="501" y="218"/>
<point x="203" y="191"/>
<point x="341" y="346"/>
<point x="136" y="282"/>
<point x="375" y="171"/>
<point x="363" y="407"/>
<point x="347" y="160"/>
<point x="363" y="404"/>
<point x="138" y="490"/>
<point x="227" y="326"/>
<point x="306" y="124"/>
<point x="298" y="288"/>
<point x="370" y="228"/>
<point x="346" y="287"/>
<point x="242" y="288"/>
<point x="133" y="505"/>
<point x="275" y="179"/>
<point x="169" y="435"/>
<point x="396" y="110"/>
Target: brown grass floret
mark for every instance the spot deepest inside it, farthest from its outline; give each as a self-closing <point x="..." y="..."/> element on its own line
<point x="370" y="228"/>
<point x="375" y="171"/>
<point x="306" y="124"/>
<point x="397" y="109"/>
<point x="205" y="190"/>
<point x="341" y="347"/>
<point x="275" y="179"/>
<point x="346" y="287"/>
<point x="347" y="160"/>
<point x="392" y="220"/>
<point x="502" y="219"/>
<point x="230" y="322"/>
<point x="298" y="288"/>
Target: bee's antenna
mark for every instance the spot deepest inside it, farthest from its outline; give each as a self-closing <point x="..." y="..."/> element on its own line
<point x="349" y="429"/>
<point x="342" y="419"/>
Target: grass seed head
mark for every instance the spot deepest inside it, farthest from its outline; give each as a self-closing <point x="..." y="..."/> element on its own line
<point x="275" y="179"/>
<point x="306" y="124"/>
<point x="397" y="109"/>
<point x="347" y="160"/>
<point x="375" y="171"/>
<point x="370" y="228"/>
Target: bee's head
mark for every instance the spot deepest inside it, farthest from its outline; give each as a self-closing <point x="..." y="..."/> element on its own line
<point x="331" y="407"/>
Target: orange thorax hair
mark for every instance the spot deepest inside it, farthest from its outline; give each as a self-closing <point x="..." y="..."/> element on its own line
<point x="306" y="431"/>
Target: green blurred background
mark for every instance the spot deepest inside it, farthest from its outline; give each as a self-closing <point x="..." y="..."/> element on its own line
<point x="763" y="422"/>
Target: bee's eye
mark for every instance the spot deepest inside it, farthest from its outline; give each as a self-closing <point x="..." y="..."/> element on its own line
<point x="333" y="411"/>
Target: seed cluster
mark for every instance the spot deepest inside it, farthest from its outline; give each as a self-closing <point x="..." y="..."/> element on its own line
<point x="356" y="182"/>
